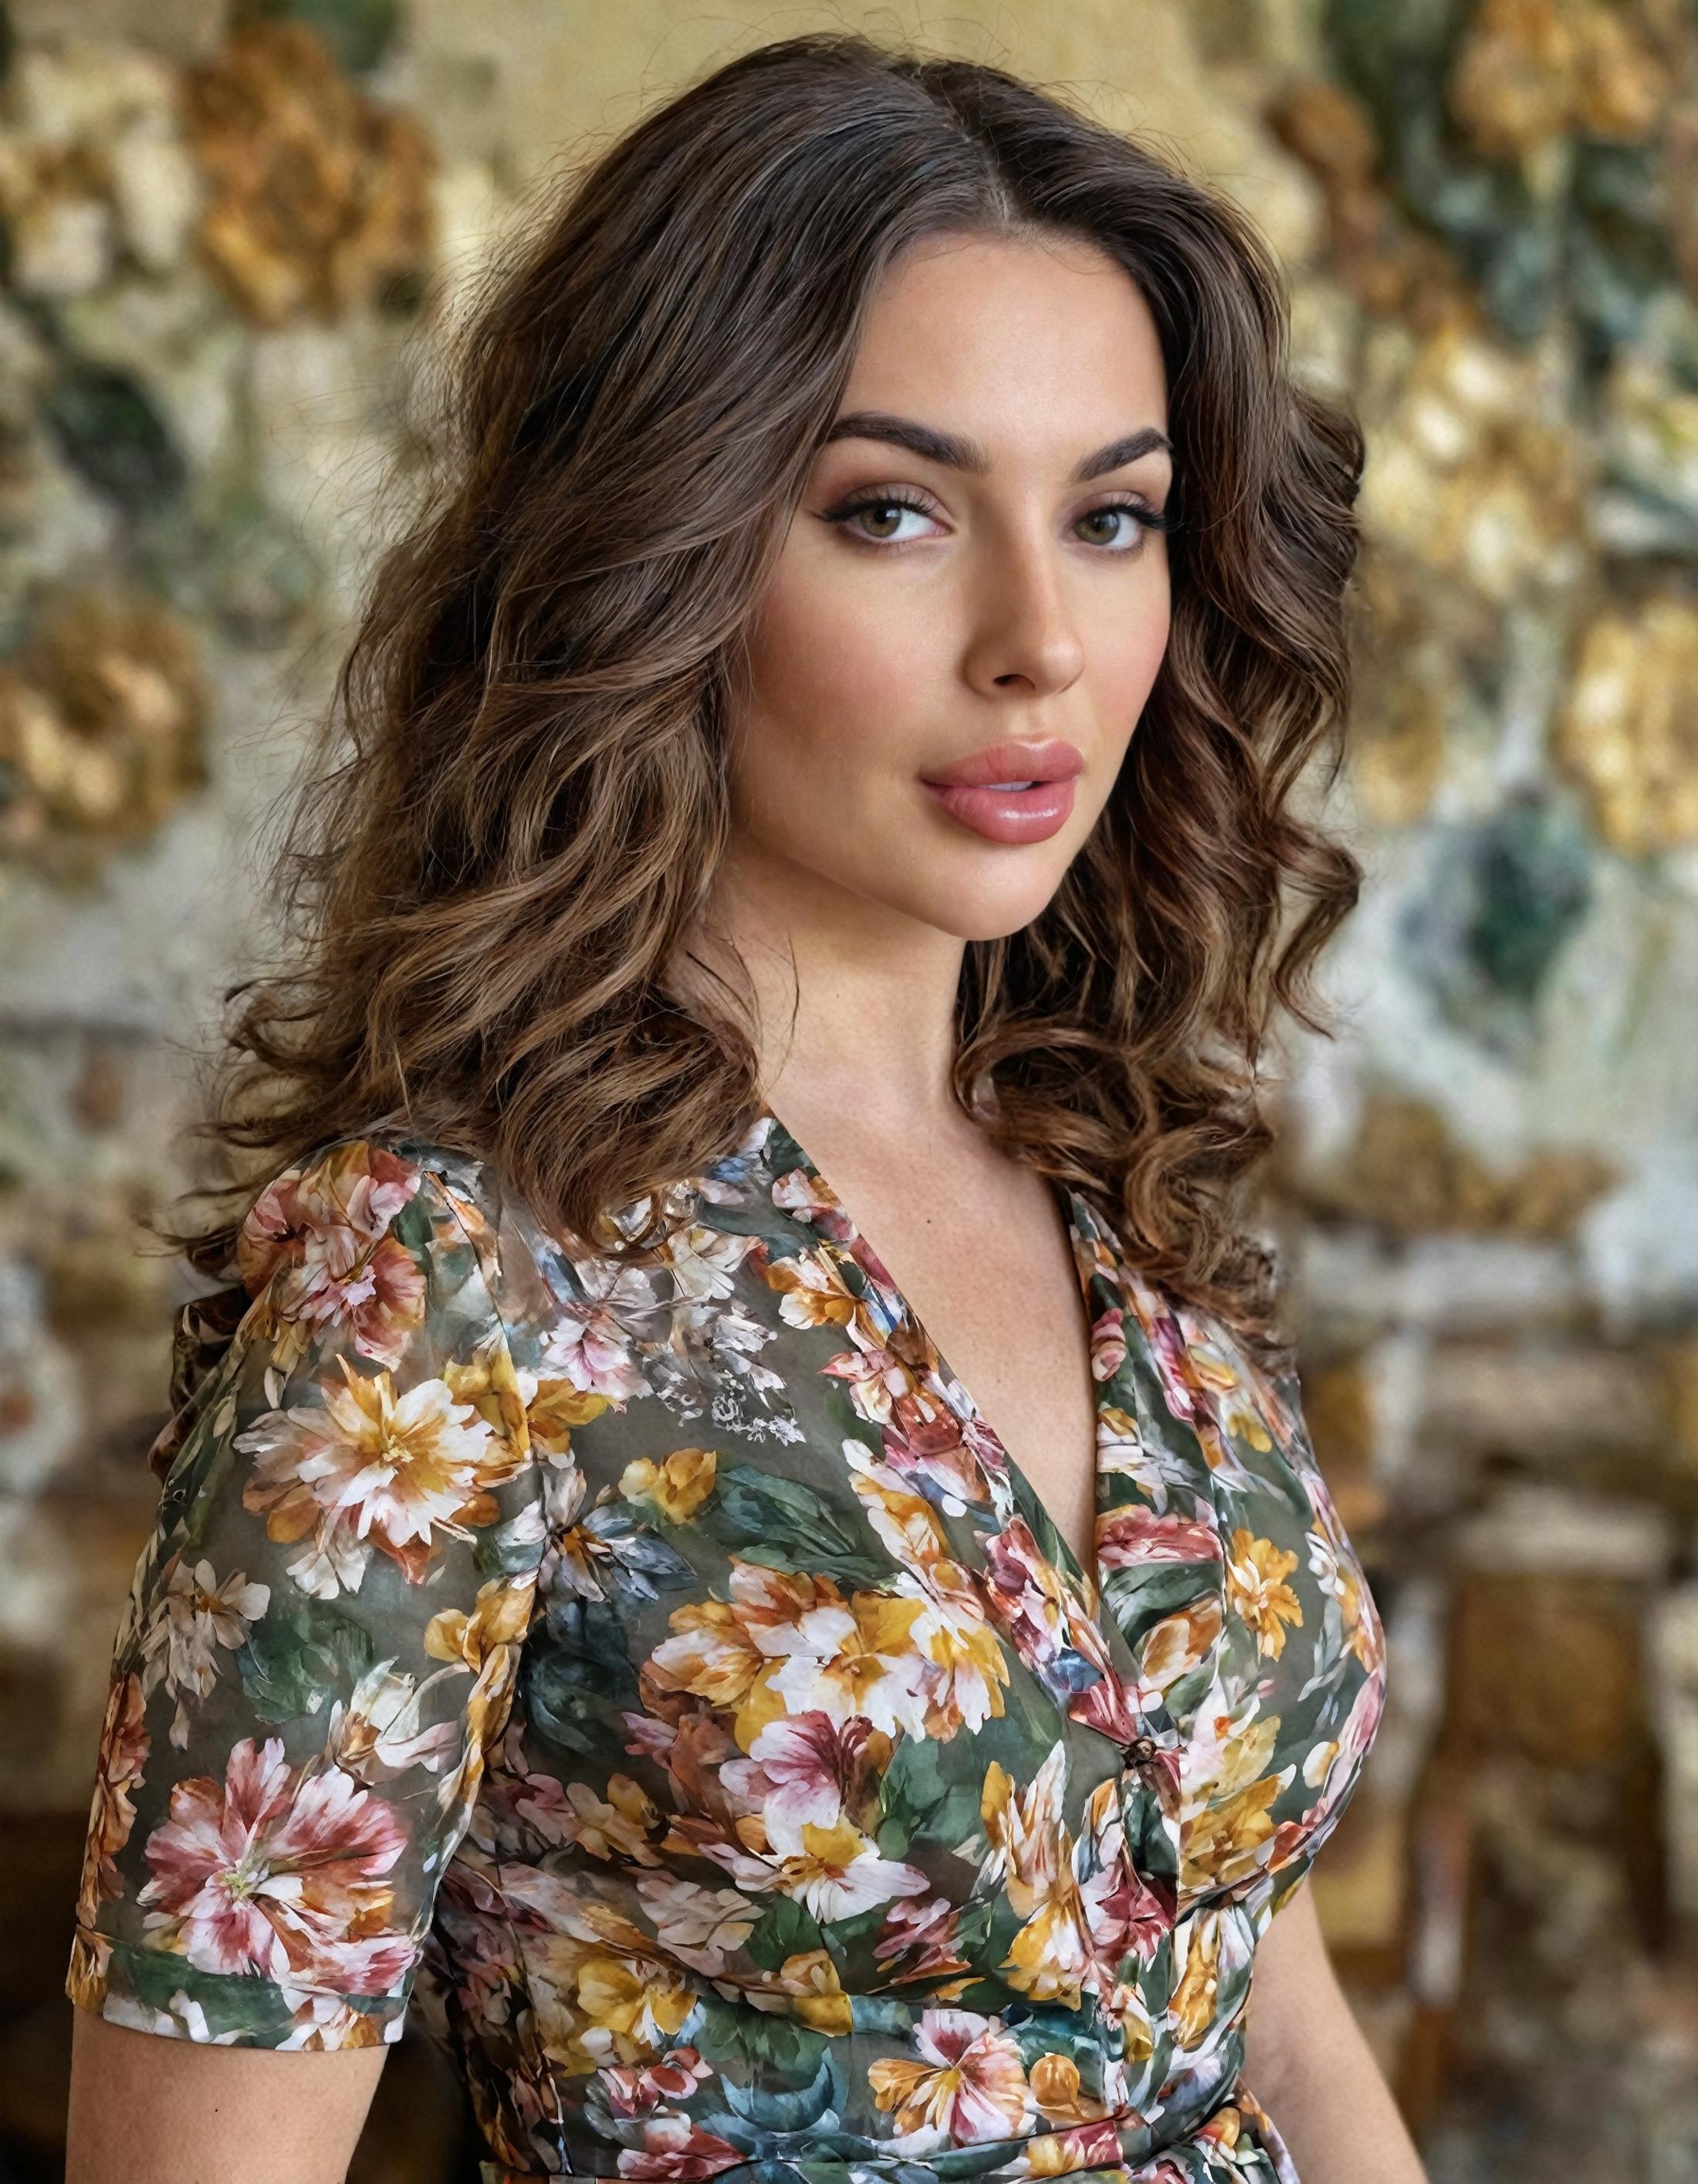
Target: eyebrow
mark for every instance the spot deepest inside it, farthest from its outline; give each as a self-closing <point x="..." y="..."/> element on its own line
<point x="956" y="451"/>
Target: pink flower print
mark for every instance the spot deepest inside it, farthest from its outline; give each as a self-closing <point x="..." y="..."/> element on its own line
<point x="1113" y="1706"/>
<point x="1167" y="1341"/>
<point x="483" y="1926"/>
<point x="639" y="2091"/>
<point x="1029" y="1592"/>
<point x="805" y="1769"/>
<point x="968" y="2083"/>
<point x="1108" y="1343"/>
<point x="926" y="1443"/>
<point x="674" y="2149"/>
<point x="1128" y="1536"/>
<point x="590" y="1344"/>
<point x="278" y="1873"/>
<point x="808" y="1197"/>
<point x="917" y="1940"/>
<point x="319" y="1238"/>
<point x="1135" y="1917"/>
<point x="323" y="2023"/>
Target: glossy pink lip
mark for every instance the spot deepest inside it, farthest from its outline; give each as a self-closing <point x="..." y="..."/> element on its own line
<point x="1032" y="814"/>
<point x="1055" y="759"/>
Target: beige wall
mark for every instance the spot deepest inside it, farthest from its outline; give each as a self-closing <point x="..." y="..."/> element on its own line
<point x="1489" y="1182"/>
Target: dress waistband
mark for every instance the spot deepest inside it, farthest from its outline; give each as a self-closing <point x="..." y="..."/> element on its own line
<point x="1250" y="2147"/>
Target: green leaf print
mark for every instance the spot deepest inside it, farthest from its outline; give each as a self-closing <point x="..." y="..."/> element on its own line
<point x="752" y="1504"/>
<point x="919" y="1801"/>
<point x="771" y="2111"/>
<point x="784" y="1929"/>
<point x="300" y="1655"/>
<point x="254" y="2007"/>
<point x="755" y="2046"/>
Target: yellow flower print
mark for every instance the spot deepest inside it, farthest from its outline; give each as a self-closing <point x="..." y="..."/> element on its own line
<point x="1180" y="1641"/>
<point x="677" y="1488"/>
<point x="619" y="1825"/>
<point x="1032" y="1851"/>
<point x="809" y="1980"/>
<point x="860" y="1658"/>
<point x="1220" y="1843"/>
<point x="812" y="1292"/>
<point x="641" y="2005"/>
<point x="1126" y="2006"/>
<point x="838" y="1873"/>
<point x="710" y="1654"/>
<point x="500" y="1616"/>
<point x="373" y="1464"/>
<point x="1225" y="2126"/>
<point x="1256" y="1571"/>
<point x="1055" y="2087"/>
<point x="730" y="1853"/>
<point x="489" y="1381"/>
<point x="555" y="1407"/>
<point x="1194" y="1997"/>
<point x="1027" y="1842"/>
<point x="1049" y="1958"/>
<point x="954" y="1636"/>
<point x="1221" y="1833"/>
<point x="1234" y="1404"/>
<point x="1057" y="2153"/>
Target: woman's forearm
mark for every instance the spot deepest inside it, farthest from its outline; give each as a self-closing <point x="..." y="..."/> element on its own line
<point x="1309" y="2066"/>
<point x="1336" y="2114"/>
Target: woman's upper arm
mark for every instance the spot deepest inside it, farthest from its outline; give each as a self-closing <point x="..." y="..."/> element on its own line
<point x="161" y="2112"/>
<point x="319" y="1648"/>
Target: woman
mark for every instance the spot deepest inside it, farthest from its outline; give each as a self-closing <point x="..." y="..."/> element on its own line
<point x="823" y="760"/>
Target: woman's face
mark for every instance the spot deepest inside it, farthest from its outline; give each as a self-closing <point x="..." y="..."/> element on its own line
<point x="1012" y="601"/>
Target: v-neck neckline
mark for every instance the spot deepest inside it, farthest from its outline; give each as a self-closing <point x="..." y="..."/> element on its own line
<point x="1083" y="1233"/>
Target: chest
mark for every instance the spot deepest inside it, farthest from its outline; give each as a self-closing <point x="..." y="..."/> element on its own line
<point x="987" y="1269"/>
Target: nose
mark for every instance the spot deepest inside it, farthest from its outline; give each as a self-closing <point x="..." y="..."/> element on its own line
<point x="1025" y="637"/>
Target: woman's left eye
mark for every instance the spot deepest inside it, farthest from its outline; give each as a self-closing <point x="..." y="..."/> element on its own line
<point x="1140" y="518"/>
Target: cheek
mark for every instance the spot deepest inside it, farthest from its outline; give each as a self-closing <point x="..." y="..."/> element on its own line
<point x="1124" y="656"/>
<point x="837" y="682"/>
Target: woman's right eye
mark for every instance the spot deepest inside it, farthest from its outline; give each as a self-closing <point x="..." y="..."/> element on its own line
<point x="882" y="506"/>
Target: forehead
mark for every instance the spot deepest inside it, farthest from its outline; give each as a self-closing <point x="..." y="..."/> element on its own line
<point x="1032" y="346"/>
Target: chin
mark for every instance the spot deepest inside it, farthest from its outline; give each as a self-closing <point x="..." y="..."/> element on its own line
<point x="989" y="910"/>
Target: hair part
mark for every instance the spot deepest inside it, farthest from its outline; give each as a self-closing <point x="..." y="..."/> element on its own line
<point x="480" y="894"/>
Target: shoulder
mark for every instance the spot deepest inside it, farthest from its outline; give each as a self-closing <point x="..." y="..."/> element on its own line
<point x="381" y="1226"/>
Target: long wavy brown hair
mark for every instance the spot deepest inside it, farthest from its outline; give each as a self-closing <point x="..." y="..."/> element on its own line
<point x="481" y="892"/>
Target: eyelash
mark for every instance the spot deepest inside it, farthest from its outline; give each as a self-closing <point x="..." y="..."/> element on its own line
<point x="1148" y="518"/>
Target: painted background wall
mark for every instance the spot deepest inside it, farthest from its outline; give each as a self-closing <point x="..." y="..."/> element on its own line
<point x="229" y="232"/>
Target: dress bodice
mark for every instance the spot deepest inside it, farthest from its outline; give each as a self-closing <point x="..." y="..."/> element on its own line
<point x="668" y="1673"/>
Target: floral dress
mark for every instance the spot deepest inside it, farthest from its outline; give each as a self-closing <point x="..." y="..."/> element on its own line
<point x="667" y="1674"/>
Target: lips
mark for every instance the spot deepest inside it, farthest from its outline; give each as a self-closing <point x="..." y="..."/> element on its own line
<point x="999" y="764"/>
<point x="1009" y="792"/>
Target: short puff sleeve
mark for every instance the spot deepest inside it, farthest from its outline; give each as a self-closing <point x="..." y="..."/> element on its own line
<point x="323" y="1632"/>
